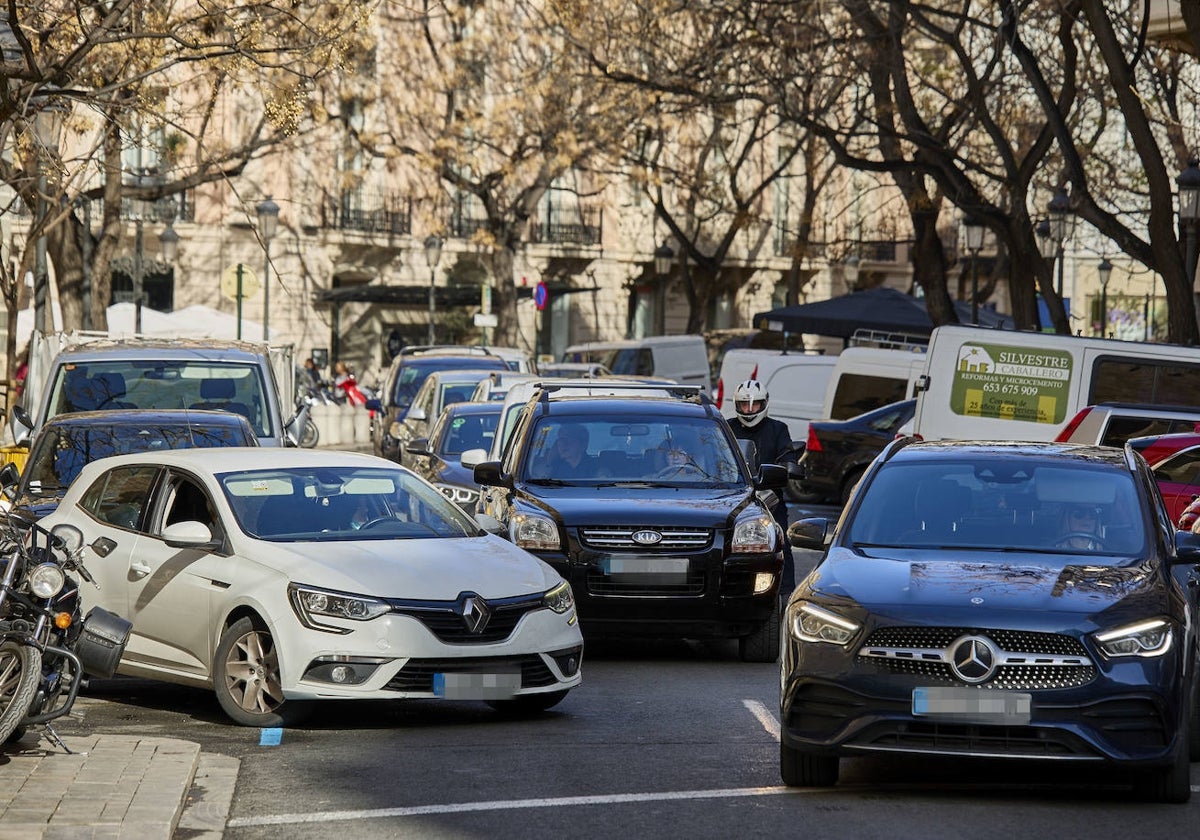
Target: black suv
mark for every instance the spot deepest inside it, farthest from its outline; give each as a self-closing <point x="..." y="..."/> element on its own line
<point x="404" y="378"/>
<point x="647" y="506"/>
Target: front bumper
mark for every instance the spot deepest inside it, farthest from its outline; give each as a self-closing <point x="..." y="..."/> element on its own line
<point x="399" y="656"/>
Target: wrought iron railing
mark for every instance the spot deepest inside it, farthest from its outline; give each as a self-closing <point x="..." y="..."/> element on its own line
<point x="369" y="213"/>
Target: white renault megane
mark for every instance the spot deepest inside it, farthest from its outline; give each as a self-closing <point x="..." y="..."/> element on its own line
<point x="279" y="576"/>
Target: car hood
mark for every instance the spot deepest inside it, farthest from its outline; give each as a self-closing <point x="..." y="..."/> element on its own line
<point x="986" y="580"/>
<point x="621" y="505"/>
<point x="422" y="569"/>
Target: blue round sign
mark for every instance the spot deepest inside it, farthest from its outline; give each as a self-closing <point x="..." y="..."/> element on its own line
<point x="540" y="295"/>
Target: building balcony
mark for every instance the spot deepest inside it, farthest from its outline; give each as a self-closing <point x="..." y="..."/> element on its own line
<point x="368" y="212"/>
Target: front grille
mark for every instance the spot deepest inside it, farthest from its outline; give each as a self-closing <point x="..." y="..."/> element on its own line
<point x="599" y="583"/>
<point x="1056" y="661"/>
<point x="620" y="538"/>
<point x="445" y="623"/>
<point x="968" y="739"/>
<point x="417" y="674"/>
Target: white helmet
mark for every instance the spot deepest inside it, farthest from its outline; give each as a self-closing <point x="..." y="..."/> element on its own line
<point x="745" y="398"/>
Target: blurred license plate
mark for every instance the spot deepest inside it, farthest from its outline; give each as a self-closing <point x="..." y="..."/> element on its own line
<point x="972" y="705"/>
<point x="476" y="686"/>
<point x="645" y="566"/>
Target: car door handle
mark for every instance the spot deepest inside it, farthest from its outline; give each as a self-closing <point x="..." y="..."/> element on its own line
<point x="140" y="569"/>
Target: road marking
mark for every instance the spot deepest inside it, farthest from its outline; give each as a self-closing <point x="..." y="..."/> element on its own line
<point x="513" y="804"/>
<point x="764" y="716"/>
<point x="270" y="737"/>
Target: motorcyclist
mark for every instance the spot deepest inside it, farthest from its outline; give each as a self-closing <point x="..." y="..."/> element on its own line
<point x="774" y="445"/>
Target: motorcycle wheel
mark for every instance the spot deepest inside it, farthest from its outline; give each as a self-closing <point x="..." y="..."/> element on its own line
<point x="311" y="435"/>
<point x="20" y="670"/>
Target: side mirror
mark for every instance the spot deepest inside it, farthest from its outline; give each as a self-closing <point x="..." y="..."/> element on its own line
<point x="811" y="533"/>
<point x="490" y="524"/>
<point x="749" y="453"/>
<point x="1187" y="547"/>
<point x="21" y="424"/>
<point x="10" y="476"/>
<point x="188" y="535"/>
<point x="416" y="413"/>
<point x="488" y="474"/>
<point x="771" y="477"/>
<point x="418" y="446"/>
<point x="473" y="458"/>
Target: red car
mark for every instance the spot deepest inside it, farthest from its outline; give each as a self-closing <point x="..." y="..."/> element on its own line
<point x="1178" y="478"/>
<point x="1156" y="448"/>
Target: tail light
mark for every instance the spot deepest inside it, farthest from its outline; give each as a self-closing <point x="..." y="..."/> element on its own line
<point x="720" y="392"/>
<point x="814" y="442"/>
<point x="1069" y="429"/>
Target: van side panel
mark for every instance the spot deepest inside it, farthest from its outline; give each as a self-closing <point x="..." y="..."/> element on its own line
<point x="866" y="378"/>
<point x="999" y="385"/>
<point x="796" y="383"/>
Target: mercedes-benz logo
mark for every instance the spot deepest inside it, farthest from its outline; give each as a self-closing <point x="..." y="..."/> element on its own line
<point x="474" y="611"/>
<point x="647" y="537"/>
<point x="973" y="658"/>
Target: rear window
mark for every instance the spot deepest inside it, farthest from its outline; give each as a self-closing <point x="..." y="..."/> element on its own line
<point x="1121" y="429"/>
<point x="857" y="394"/>
<point x="413" y="373"/>
<point x="1146" y="381"/>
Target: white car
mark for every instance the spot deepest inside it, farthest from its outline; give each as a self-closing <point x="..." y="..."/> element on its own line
<point x="279" y="576"/>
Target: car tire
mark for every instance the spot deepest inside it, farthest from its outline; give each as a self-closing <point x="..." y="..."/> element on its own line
<point x="246" y="677"/>
<point x="763" y="644"/>
<point x="848" y="485"/>
<point x="802" y="769"/>
<point x="21" y="670"/>
<point x="1194" y="725"/>
<point x="528" y="704"/>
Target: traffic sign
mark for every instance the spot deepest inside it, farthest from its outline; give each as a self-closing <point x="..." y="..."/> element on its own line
<point x="229" y="281"/>
<point x="485" y="320"/>
<point x="540" y="295"/>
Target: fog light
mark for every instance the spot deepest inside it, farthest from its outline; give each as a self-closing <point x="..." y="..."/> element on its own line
<point x="763" y="581"/>
<point x="341" y="674"/>
<point x="342" y="670"/>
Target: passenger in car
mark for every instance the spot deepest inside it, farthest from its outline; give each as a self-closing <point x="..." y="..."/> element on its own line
<point x="568" y="457"/>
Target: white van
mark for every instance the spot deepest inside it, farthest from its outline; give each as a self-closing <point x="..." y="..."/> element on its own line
<point x="796" y="383"/>
<point x="866" y="378"/>
<point x="681" y="358"/>
<point x="985" y="384"/>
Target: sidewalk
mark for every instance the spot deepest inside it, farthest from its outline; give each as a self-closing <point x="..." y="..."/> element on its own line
<point x="113" y="786"/>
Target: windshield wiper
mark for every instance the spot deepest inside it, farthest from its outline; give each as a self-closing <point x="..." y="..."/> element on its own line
<point x="547" y="482"/>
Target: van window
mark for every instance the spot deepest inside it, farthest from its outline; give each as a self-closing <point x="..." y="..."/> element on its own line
<point x="1121" y="429"/>
<point x="858" y="393"/>
<point x="1145" y="381"/>
<point x="630" y="361"/>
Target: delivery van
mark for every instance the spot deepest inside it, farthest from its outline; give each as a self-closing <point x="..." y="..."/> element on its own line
<point x="680" y="358"/>
<point x="867" y="378"/>
<point x="986" y="384"/>
<point x="795" y="382"/>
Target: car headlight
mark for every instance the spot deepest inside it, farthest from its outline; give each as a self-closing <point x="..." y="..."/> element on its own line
<point x="310" y="601"/>
<point x="534" y="532"/>
<point x="458" y="494"/>
<point x="754" y="535"/>
<point x="560" y="599"/>
<point x="1145" y="638"/>
<point x="811" y="623"/>
<point x="46" y="580"/>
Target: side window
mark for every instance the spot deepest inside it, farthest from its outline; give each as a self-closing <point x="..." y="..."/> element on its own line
<point x="1181" y="468"/>
<point x="857" y="394"/>
<point x="119" y="497"/>
<point x="186" y="501"/>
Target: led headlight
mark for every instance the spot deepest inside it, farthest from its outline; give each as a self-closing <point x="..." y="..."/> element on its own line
<point x="811" y="623"/>
<point x="754" y="535"/>
<point x="46" y="580"/>
<point x="309" y="602"/>
<point x="1145" y="638"/>
<point x="560" y="598"/>
<point x="459" y="495"/>
<point x="533" y="532"/>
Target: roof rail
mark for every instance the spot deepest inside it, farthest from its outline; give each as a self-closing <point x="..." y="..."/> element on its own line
<point x="464" y="349"/>
<point x="546" y="388"/>
<point x="890" y="340"/>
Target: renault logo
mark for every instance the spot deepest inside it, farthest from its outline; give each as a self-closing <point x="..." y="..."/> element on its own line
<point x="647" y="537"/>
<point x="973" y="659"/>
<point x="474" y="611"/>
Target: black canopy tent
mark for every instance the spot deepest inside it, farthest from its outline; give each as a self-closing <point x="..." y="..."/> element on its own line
<point x="881" y="309"/>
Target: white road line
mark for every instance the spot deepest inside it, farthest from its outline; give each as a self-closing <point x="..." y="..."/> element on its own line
<point x="765" y="717"/>
<point x="513" y="804"/>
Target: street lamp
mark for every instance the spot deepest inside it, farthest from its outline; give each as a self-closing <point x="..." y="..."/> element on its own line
<point x="1189" y="212"/>
<point x="268" y="217"/>
<point x="1105" y="271"/>
<point x="664" y="255"/>
<point x="433" y="255"/>
<point x="47" y="126"/>
<point x="973" y="233"/>
<point x="168" y="239"/>
<point x="1061" y="224"/>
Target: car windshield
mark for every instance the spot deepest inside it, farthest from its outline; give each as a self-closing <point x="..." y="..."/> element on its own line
<point x="414" y="372"/>
<point x="1026" y="504"/>
<point x="306" y="504"/>
<point x="642" y="448"/>
<point x="60" y="452"/>
<point x="468" y="431"/>
<point x="164" y="385"/>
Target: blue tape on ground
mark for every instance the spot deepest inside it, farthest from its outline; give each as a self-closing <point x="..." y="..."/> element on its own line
<point x="270" y="737"/>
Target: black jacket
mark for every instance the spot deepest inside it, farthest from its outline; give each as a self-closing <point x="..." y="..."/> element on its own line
<point x="771" y="437"/>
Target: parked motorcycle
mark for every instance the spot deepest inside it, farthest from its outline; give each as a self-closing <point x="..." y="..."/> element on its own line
<point x="46" y="648"/>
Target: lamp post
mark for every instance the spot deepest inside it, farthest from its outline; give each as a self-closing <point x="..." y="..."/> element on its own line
<point x="973" y="234"/>
<point x="268" y="218"/>
<point x="1189" y="212"/>
<point x="433" y="255"/>
<point x="1061" y="224"/>
<point x="664" y="258"/>
<point x="47" y="125"/>
<point x="1105" y="271"/>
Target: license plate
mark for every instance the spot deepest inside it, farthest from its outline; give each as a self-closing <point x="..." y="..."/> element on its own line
<point x="972" y="705"/>
<point x="645" y="566"/>
<point x="452" y="686"/>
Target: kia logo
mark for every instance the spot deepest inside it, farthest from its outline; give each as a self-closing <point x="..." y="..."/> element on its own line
<point x="647" y="537"/>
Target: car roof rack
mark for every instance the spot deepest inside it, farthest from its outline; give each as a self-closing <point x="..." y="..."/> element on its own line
<point x="463" y="349"/>
<point x="890" y="340"/>
<point x="696" y="392"/>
